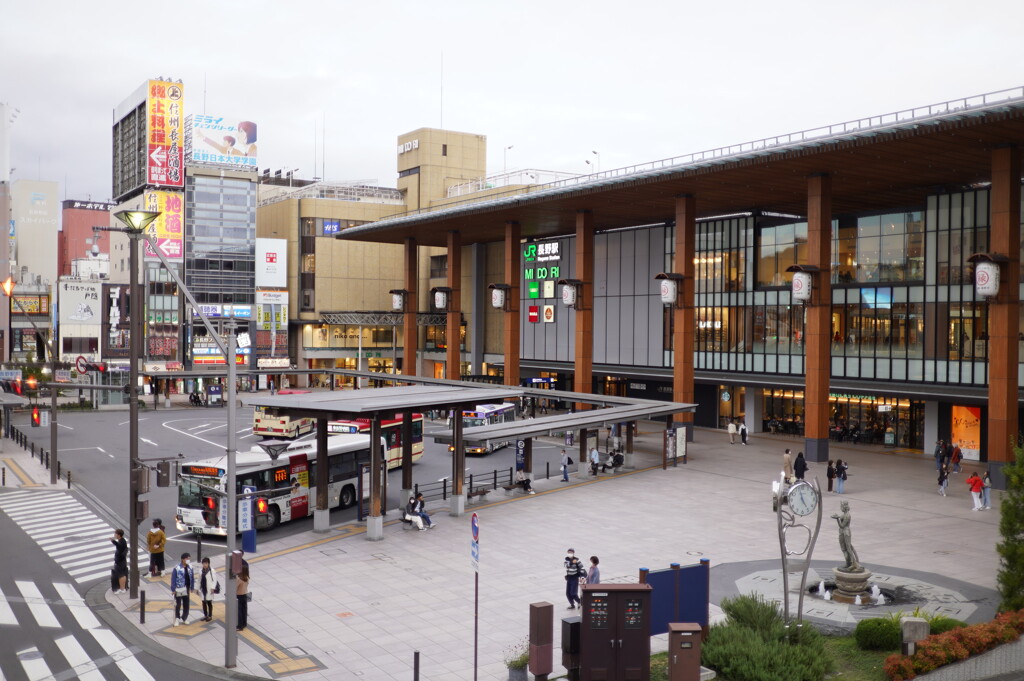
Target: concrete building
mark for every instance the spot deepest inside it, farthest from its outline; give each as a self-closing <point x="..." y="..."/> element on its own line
<point x="76" y="237"/>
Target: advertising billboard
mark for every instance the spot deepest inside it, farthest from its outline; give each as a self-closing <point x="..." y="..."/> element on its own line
<point x="80" y="303"/>
<point x="168" y="229"/>
<point x="966" y="431"/>
<point x="165" y="129"/>
<point x="215" y="140"/>
<point x="271" y="263"/>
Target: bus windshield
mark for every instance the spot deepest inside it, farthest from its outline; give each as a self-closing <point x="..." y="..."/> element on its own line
<point x="473" y="422"/>
<point x="190" y="494"/>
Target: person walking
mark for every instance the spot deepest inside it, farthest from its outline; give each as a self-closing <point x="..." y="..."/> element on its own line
<point x="943" y="480"/>
<point x="743" y="432"/>
<point x="976" y="484"/>
<point x="947" y="454"/>
<point x="209" y="585"/>
<point x="940" y="449"/>
<point x="119" y="575"/>
<point x="242" y="594"/>
<point x="800" y="466"/>
<point x="595" y="460"/>
<point x="830" y="473"/>
<point x="956" y="458"/>
<point x="840" y="475"/>
<point x="787" y="466"/>
<point x="731" y="429"/>
<point x="986" y="492"/>
<point x="183" y="581"/>
<point x="593" y="573"/>
<point x="573" y="571"/>
<point x="156" y="540"/>
<point x="564" y="463"/>
<point x="421" y="511"/>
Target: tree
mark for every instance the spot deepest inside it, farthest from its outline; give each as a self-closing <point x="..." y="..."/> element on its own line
<point x="1011" y="526"/>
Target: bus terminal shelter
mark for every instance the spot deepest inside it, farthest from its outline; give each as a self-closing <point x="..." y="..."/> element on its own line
<point x="376" y="404"/>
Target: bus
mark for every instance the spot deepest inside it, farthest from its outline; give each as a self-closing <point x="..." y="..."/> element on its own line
<point x="289" y="479"/>
<point x="270" y="422"/>
<point x="391" y="431"/>
<point x="486" y="415"/>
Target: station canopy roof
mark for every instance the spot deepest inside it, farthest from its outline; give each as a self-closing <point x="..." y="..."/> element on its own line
<point x="875" y="163"/>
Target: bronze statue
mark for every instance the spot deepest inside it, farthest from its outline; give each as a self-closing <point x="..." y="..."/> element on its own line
<point x="845" y="538"/>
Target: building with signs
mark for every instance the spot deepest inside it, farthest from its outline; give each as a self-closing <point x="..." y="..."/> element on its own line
<point x="675" y="278"/>
<point x="77" y="238"/>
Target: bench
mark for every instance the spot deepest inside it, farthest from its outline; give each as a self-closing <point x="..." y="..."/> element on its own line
<point x="478" y="492"/>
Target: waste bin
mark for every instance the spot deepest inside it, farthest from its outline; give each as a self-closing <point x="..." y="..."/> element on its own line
<point x="684" y="651"/>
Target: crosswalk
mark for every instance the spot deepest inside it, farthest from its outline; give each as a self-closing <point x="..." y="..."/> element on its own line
<point x="72" y="643"/>
<point x="75" y="537"/>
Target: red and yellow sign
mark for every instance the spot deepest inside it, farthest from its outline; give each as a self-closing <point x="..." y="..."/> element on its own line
<point x="966" y="431"/>
<point x="165" y="128"/>
<point x="169" y="229"/>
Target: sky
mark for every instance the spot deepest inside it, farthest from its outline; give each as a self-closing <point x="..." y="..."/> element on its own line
<point x="332" y="84"/>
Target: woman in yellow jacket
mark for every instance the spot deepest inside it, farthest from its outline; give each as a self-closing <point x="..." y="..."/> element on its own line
<point x="156" y="539"/>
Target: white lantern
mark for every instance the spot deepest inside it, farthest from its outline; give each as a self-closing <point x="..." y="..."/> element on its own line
<point x="498" y="298"/>
<point x="440" y="300"/>
<point x="397" y="302"/>
<point x="669" y="291"/>
<point x="569" y="295"/>
<point x="801" y="287"/>
<point x="986" y="279"/>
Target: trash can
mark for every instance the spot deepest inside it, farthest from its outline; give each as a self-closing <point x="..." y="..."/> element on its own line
<point x="684" y="651"/>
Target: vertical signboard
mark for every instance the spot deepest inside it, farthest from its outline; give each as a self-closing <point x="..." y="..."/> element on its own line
<point x="966" y="431"/>
<point x="165" y="126"/>
<point x="168" y="229"/>
<point x="271" y="263"/>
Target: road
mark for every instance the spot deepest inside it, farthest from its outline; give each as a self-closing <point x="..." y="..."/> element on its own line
<point x="94" y="447"/>
<point x="54" y="549"/>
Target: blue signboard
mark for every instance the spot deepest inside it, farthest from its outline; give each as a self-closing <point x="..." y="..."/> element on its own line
<point x="520" y="455"/>
<point x="331" y="227"/>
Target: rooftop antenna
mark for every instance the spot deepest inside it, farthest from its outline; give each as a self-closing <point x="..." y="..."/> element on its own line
<point x="204" y="93"/>
<point x="323" y="150"/>
<point x="442" y="89"/>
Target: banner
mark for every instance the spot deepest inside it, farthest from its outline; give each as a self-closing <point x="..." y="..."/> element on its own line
<point x="80" y="303"/>
<point x="271" y="263"/>
<point x="165" y="121"/>
<point x="215" y="140"/>
<point x="966" y="431"/>
<point x="168" y="229"/>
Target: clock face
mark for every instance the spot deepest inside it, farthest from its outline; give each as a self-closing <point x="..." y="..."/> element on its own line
<point x="802" y="498"/>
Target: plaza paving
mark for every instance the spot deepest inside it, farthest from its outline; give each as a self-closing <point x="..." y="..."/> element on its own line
<point x="334" y="605"/>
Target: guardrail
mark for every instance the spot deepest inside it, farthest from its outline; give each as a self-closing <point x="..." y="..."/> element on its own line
<point x="19" y="438"/>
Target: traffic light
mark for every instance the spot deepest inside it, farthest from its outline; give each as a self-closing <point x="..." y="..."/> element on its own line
<point x="8" y="287"/>
<point x="163" y="473"/>
<point x="210" y="515"/>
<point x="31" y="382"/>
<point x="262" y="506"/>
<point x="35" y="417"/>
<point x="96" y="366"/>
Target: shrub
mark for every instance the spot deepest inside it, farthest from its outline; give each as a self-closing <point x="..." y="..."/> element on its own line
<point x="754" y="612"/>
<point x="878" y="633"/>
<point x="1011" y="527"/>
<point x="898" y="668"/>
<point x="940" y="624"/>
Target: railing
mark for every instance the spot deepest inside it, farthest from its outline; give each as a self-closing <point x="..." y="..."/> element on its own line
<point x="442" y="489"/>
<point x="19" y="438"/>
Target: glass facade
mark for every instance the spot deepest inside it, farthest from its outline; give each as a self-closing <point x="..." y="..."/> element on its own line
<point x="220" y="226"/>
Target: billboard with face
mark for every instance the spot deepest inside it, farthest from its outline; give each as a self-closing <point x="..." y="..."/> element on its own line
<point x="165" y="127"/>
<point x="216" y="140"/>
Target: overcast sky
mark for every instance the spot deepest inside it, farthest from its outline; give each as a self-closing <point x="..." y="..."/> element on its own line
<point x="555" y="80"/>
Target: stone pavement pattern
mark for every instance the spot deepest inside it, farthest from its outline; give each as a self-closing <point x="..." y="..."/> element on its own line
<point x="361" y="608"/>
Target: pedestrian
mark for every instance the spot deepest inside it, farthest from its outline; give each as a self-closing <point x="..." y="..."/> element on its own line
<point x="524" y="482"/>
<point x="956" y="458"/>
<point x="573" y="572"/>
<point x="209" y="586"/>
<point x="840" y="475"/>
<point x="976" y="484"/>
<point x="273" y="390"/>
<point x="594" y="574"/>
<point x="156" y="540"/>
<point x="743" y="432"/>
<point x="119" y="575"/>
<point x="413" y="516"/>
<point x="595" y="460"/>
<point x="830" y="473"/>
<point x="421" y="510"/>
<point x="800" y="466"/>
<point x="564" y="463"/>
<point x="986" y="492"/>
<point x="183" y="581"/>
<point x="947" y="454"/>
<point x="943" y="480"/>
<point x="731" y="429"/>
<point x="242" y="594"/>
<point x="940" y="448"/>
<point x="787" y="466"/>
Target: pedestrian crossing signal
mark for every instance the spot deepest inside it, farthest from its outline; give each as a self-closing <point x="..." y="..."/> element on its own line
<point x="261" y="505"/>
<point x="35" y="417"/>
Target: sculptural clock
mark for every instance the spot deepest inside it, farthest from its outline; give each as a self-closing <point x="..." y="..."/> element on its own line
<point x="793" y="503"/>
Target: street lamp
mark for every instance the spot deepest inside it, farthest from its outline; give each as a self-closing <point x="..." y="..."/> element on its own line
<point x="505" y="161"/>
<point x="136" y="222"/>
<point x="597" y="164"/>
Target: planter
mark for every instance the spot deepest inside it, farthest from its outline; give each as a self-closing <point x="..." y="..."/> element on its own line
<point x="517" y="674"/>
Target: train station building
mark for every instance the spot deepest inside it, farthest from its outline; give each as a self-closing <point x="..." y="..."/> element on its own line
<point x="674" y="279"/>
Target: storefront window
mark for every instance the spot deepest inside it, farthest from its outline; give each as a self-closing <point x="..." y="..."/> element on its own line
<point x="779" y="247"/>
<point x="731" y="405"/>
<point x="783" y="411"/>
<point x="879" y="248"/>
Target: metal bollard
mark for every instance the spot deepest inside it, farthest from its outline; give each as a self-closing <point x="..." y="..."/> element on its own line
<point x="41" y="452"/>
<point x="142" y="606"/>
<point x="33" y="449"/>
<point x="58" y="468"/>
<point x="547" y="470"/>
<point x="69" y="479"/>
<point x="3" y="473"/>
<point x="415" y="665"/>
<point x="199" y="549"/>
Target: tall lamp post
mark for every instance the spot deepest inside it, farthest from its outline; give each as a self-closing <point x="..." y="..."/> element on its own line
<point x="136" y="222"/>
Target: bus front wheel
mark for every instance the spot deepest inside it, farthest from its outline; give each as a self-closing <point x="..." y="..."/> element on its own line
<point x="347" y="496"/>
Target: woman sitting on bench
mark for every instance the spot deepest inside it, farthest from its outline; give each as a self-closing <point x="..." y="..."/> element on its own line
<point x="412" y="516"/>
<point x="524" y="482"/>
<point x="614" y="461"/>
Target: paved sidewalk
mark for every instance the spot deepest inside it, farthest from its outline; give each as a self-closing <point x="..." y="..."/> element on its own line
<point x="345" y="607"/>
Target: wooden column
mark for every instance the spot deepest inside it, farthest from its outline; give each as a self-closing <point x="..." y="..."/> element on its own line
<point x="322" y="470"/>
<point x="410" y="360"/>
<point x="818" y="336"/>
<point x="583" y="379"/>
<point x="512" y="320"/>
<point x="684" y="318"/>
<point x="407" y="450"/>
<point x="453" y="358"/>
<point x="1004" y="312"/>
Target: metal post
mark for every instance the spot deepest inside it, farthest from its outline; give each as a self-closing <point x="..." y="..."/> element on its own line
<point x="142" y="606"/>
<point x="55" y="469"/>
<point x="230" y="603"/>
<point x="415" y="665"/>
<point x="135" y="339"/>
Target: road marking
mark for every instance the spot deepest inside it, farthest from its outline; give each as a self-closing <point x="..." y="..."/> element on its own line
<point x="81" y="665"/>
<point x="102" y="450"/>
<point x="40" y="610"/>
<point x="33" y="663"/>
<point x="78" y="449"/>
<point x="82" y="529"/>
<point x="202" y="425"/>
<point x="6" y="614"/>
<point x="26" y="481"/>
<point x="63" y="426"/>
<point x="68" y="520"/>
<point x="124" y="423"/>
<point x="218" y="445"/>
<point x="149" y="442"/>
<point x="222" y="425"/>
<point x="123" y="657"/>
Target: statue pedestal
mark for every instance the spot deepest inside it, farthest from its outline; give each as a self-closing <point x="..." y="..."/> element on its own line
<point x="849" y="585"/>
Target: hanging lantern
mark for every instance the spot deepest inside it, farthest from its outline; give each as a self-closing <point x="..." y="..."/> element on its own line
<point x="801" y="287"/>
<point x="986" y="279"/>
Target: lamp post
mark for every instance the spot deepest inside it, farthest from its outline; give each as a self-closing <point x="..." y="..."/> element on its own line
<point x="505" y="158"/>
<point x="136" y="222"/>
